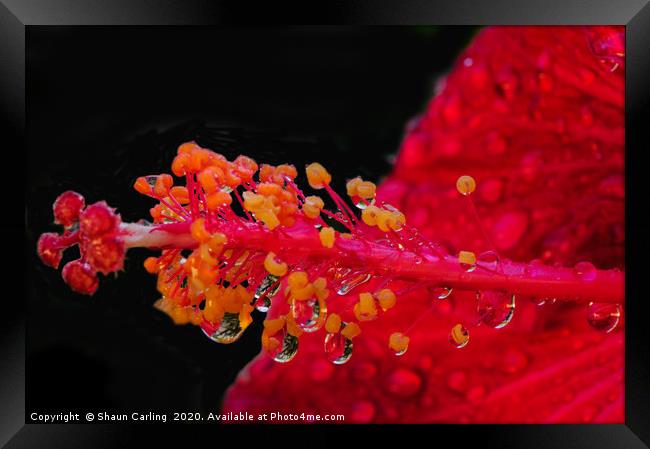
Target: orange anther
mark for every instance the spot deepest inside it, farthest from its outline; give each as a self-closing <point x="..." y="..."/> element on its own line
<point x="385" y="219"/>
<point x="187" y="147"/>
<point x="271" y="327"/>
<point x="302" y="294"/>
<point x="246" y="167"/>
<point x="252" y="201"/>
<point x="352" y="184"/>
<point x="273" y="266"/>
<point x="317" y="176"/>
<point x="366" y="190"/>
<point x="266" y="172"/>
<point x="298" y="279"/>
<point x="292" y="327"/>
<point x="327" y="237"/>
<point x="181" y="194"/>
<point x="142" y="186"/>
<point x="198" y="159"/>
<point x="245" y="318"/>
<point x="398" y="342"/>
<point x="351" y="330"/>
<point x="269" y="189"/>
<point x="333" y="323"/>
<point x="369" y="215"/>
<point x="151" y="265"/>
<point x="465" y="185"/>
<point x="320" y="283"/>
<point x="283" y="170"/>
<point x="163" y="184"/>
<point x="467" y="257"/>
<point x="218" y="199"/>
<point x="180" y="163"/>
<point x="386" y="298"/>
<point x="365" y="309"/>
<point x="312" y="206"/>
<point x="268" y="217"/>
<point x="208" y="178"/>
<point x="198" y="231"/>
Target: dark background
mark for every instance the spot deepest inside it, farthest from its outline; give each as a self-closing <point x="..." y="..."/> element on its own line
<point x="106" y="105"/>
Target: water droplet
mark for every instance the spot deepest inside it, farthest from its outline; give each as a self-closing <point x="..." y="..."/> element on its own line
<point x="489" y="260"/>
<point x="348" y="283"/>
<point x="363" y="203"/>
<point x="457" y="381"/>
<point x="541" y="300"/>
<point x="309" y="314"/>
<point x="603" y="317"/>
<point x="362" y="412"/>
<point x="262" y="304"/>
<point x="495" y="307"/>
<point x="289" y="348"/>
<point x="585" y="271"/>
<point x="264" y="293"/>
<point x="459" y="336"/>
<point x="229" y="330"/>
<point x="338" y="348"/>
<point x="404" y="383"/>
<point x="151" y="180"/>
<point x="440" y="292"/>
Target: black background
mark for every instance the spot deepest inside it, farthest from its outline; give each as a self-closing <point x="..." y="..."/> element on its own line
<point x="107" y="105"/>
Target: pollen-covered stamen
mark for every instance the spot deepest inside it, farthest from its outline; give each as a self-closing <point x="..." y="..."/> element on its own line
<point x="283" y="258"/>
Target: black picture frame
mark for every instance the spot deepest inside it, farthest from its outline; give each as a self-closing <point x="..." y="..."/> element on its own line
<point x="16" y="15"/>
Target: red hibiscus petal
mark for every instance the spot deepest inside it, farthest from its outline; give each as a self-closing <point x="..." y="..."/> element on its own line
<point x="535" y="115"/>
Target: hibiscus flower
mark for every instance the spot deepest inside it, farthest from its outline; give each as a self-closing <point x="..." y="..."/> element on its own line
<point x="535" y="116"/>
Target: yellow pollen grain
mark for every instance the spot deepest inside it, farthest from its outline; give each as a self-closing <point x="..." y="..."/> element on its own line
<point x="327" y="237"/>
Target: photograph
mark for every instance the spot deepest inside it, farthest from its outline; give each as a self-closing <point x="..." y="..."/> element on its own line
<point x="323" y="224"/>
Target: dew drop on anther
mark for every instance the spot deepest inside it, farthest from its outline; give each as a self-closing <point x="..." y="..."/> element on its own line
<point x="585" y="271"/>
<point x="338" y="348"/>
<point x="604" y="317"/>
<point x="289" y="348"/>
<point x="229" y="330"/>
<point x="265" y="292"/>
<point x="363" y="203"/>
<point x="495" y="307"/>
<point x="309" y="314"/>
<point x="459" y="336"/>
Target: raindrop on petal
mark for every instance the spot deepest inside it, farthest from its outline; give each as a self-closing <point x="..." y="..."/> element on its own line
<point x="603" y="317"/>
<point x="495" y="307"/>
